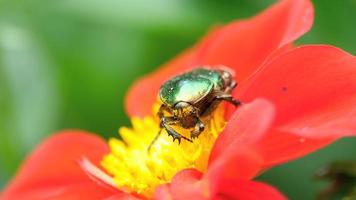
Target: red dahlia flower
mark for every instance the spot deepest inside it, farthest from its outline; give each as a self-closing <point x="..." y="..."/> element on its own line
<point x="295" y="100"/>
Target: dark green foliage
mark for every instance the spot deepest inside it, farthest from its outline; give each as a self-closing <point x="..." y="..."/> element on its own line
<point x="342" y="180"/>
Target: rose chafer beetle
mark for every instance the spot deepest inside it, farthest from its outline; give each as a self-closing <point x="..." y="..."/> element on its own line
<point x="190" y="96"/>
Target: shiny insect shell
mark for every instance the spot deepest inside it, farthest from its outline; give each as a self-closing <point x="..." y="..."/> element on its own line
<point x="192" y="95"/>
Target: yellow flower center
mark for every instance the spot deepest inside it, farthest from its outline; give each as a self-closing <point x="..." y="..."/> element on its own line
<point x="135" y="169"/>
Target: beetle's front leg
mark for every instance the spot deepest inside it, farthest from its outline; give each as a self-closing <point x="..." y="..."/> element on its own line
<point x="228" y="98"/>
<point x="160" y="114"/>
<point x="198" y="129"/>
<point x="165" y="122"/>
<point x="161" y="110"/>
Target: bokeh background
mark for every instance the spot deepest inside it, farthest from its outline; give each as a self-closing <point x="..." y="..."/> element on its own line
<point x="68" y="64"/>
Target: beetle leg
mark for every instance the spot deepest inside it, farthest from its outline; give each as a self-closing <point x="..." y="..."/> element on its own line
<point x="228" y="98"/>
<point x="165" y="122"/>
<point x="198" y="128"/>
<point x="175" y="135"/>
<point x="160" y="114"/>
<point x="161" y="110"/>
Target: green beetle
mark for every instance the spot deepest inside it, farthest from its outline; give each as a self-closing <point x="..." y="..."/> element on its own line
<point x="190" y="96"/>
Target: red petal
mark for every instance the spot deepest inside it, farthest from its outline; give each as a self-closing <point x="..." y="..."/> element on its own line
<point x="241" y="45"/>
<point x="186" y="184"/>
<point x="245" y="126"/>
<point x="124" y="196"/>
<point x="246" y="190"/>
<point x="143" y="94"/>
<point x="189" y="184"/>
<point x="232" y="155"/>
<point x="162" y="192"/>
<point x="238" y="163"/>
<point x="52" y="170"/>
<point x="245" y="45"/>
<point x="278" y="147"/>
<point x="313" y="88"/>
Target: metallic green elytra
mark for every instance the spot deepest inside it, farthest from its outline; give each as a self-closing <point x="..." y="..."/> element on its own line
<point x="191" y="95"/>
<point x="191" y="87"/>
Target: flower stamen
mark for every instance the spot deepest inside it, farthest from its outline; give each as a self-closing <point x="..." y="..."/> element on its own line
<point x="138" y="170"/>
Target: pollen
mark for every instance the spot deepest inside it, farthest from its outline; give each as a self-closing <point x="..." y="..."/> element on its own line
<point x="136" y="169"/>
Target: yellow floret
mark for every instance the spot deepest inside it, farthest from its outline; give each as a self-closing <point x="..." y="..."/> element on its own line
<point x="135" y="169"/>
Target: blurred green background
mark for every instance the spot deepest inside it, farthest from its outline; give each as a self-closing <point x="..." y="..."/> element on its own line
<point x="68" y="64"/>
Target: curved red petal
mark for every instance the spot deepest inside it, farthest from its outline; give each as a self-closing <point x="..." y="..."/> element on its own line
<point x="162" y="192"/>
<point x="63" y="191"/>
<point x="143" y="94"/>
<point x="241" y="45"/>
<point x="236" y="163"/>
<point x="52" y="170"/>
<point x="245" y="45"/>
<point x="191" y="184"/>
<point x="187" y="184"/>
<point x="278" y="147"/>
<point x="123" y="196"/>
<point x="313" y="88"/>
<point x="245" y="126"/>
<point x="246" y="190"/>
<point x="233" y="155"/>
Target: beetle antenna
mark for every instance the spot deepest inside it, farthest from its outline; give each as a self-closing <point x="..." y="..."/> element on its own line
<point x="154" y="140"/>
